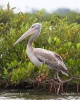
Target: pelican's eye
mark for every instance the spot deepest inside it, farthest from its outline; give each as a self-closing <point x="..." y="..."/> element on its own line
<point x="36" y="27"/>
<point x="32" y="26"/>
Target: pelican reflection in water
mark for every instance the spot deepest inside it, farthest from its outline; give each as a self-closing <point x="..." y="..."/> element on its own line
<point x="39" y="56"/>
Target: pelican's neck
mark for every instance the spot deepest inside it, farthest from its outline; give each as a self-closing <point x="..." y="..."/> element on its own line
<point x="33" y="37"/>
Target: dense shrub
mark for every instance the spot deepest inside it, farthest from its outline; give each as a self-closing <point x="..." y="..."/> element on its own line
<point x="57" y="35"/>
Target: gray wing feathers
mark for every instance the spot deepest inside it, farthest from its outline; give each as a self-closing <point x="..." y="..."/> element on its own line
<point x="50" y="58"/>
<point x="44" y="55"/>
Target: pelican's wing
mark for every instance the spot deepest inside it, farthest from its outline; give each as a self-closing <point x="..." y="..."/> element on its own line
<point x="44" y="55"/>
<point x="50" y="58"/>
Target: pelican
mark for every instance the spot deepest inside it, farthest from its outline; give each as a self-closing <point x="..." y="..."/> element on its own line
<point x="39" y="56"/>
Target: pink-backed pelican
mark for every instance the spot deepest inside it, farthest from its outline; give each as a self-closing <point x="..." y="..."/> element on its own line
<point x="40" y="56"/>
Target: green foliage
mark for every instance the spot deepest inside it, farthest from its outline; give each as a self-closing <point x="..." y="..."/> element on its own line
<point x="22" y="73"/>
<point x="57" y="35"/>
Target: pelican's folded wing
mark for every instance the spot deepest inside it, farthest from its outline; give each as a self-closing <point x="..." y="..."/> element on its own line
<point x="50" y="58"/>
<point x="44" y="55"/>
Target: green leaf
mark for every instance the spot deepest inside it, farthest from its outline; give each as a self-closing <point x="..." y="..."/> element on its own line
<point x="49" y="39"/>
<point x="69" y="44"/>
<point x="78" y="46"/>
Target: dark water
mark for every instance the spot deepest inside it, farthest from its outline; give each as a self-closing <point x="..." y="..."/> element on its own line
<point x="32" y="94"/>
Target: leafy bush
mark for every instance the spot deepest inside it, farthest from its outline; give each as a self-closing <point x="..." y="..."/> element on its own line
<point x="57" y="35"/>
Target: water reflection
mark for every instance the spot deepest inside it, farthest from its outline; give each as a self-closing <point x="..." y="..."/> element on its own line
<point x="32" y="94"/>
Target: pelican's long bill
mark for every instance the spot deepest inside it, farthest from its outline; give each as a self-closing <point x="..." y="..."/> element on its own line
<point x="26" y="34"/>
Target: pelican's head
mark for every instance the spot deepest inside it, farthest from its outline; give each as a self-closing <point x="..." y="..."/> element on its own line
<point x="34" y="29"/>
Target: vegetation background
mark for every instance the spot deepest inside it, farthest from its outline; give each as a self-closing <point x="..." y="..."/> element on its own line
<point x="60" y="33"/>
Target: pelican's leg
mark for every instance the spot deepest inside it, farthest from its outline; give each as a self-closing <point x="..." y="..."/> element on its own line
<point x="57" y="78"/>
<point x="56" y="75"/>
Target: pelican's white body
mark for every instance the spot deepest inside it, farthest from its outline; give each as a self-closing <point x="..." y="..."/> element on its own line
<point x="33" y="58"/>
